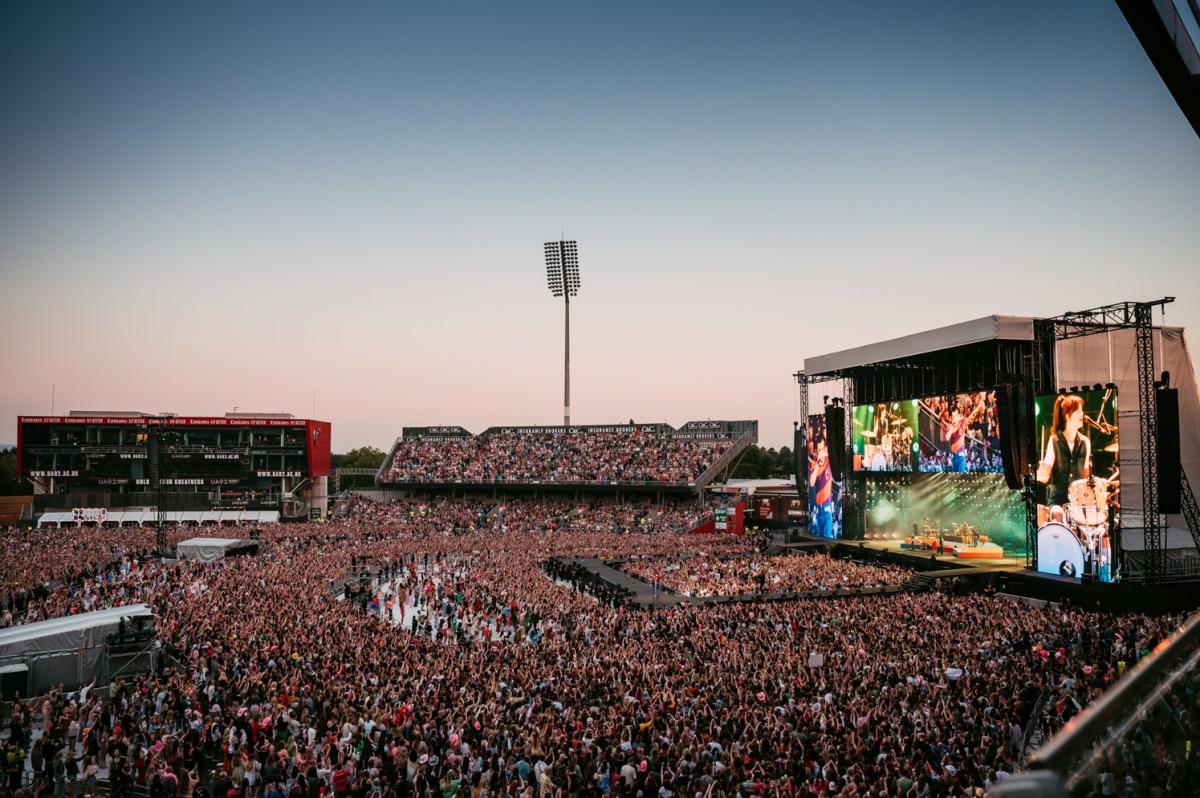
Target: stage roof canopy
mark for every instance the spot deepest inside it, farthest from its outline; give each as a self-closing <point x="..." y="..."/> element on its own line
<point x="988" y="328"/>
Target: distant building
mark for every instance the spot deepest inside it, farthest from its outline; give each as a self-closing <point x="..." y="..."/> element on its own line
<point x="267" y="461"/>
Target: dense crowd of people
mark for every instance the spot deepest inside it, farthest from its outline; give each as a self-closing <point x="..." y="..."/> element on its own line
<point x="569" y="457"/>
<point x="976" y="460"/>
<point x="31" y="556"/>
<point x="45" y="572"/>
<point x="544" y="515"/>
<point x="1142" y="757"/>
<point x="704" y="577"/>
<point x="511" y="682"/>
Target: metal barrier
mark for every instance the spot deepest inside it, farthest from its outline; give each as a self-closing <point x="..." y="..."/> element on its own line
<point x="1139" y="729"/>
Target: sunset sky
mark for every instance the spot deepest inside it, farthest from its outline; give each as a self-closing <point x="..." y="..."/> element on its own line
<point x="235" y="204"/>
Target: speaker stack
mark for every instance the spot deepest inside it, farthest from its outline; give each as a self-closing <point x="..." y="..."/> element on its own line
<point x="800" y="453"/>
<point x="835" y="437"/>
<point x="1016" y="435"/>
<point x="1169" y="455"/>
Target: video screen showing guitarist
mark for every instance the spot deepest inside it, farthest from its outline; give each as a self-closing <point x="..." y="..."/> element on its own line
<point x="960" y="434"/>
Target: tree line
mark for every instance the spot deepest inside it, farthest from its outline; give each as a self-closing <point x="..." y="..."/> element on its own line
<point x="760" y="463"/>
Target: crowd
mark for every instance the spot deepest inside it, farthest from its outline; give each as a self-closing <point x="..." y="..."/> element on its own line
<point x="580" y="578"/>
<point x="36" y="562"/>
<point x="977" y="460"/>
<point x="513" y="683"/>
<point x="543" y="515"/>
<point x="1154" y="755"/>
<point x="28" y="556"/>
<point x="703" y="577"/>
<point x="571" y="457"/>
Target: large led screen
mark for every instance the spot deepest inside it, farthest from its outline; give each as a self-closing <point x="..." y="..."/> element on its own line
<point x="824" y="494"/>
<point x="967" y="516"/>
<point x="883" y="436"/>
<point x="1079" y="506"/>
<point x="960" y="434"/>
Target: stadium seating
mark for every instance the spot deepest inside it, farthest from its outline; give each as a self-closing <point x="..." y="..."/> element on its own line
<point x="632" y="457"/>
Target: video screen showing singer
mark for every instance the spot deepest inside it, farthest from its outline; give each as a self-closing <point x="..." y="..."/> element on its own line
<point x="824" y="494"/>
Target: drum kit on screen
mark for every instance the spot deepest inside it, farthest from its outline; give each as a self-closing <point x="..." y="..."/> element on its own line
<point x="1085" y="515"/>
<point x="893" y="450"/>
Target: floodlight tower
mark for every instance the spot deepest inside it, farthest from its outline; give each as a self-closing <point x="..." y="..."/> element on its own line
<point x="562" y="277"/>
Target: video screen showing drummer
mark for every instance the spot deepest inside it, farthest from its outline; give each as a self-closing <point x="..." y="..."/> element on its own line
<point x="884" y="436"/>
<point x="1079" y="507"/>
<point x="960" y="434"/>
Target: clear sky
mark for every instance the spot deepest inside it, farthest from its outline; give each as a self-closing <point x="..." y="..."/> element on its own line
<point x="214" y="205"/>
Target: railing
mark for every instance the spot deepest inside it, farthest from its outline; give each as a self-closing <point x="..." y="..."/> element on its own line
<point x="240" y="451"/>
<point x="1185" y="568"/>
<point x="725" y="459"/>
<point x="1033" y="727"/>
<point x="131" y="449"/>
<point x="1137" y="728"/>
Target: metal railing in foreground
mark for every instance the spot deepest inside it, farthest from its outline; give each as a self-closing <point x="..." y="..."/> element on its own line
<point x="1140" y="738"/>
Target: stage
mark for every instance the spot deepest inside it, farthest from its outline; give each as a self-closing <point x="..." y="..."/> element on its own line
<point x="986" y="555"/>
<point x="989" y="557"/>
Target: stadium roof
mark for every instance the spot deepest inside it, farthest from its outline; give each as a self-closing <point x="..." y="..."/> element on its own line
<point x="259" y="415"/>
<point x="149" y="515"/>
<point x="753" y="486"/>
<point x="988" y="328"/>
<point x="108" y="413"/>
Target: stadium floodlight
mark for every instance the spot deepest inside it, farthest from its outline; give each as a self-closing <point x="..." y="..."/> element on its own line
<point x="562" y="278"/>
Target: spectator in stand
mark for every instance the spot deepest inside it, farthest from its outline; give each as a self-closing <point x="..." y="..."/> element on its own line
<point x="568" y="457"/>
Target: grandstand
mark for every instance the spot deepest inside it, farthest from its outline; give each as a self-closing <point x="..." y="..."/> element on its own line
<point x="645" y="457"/>
<point x="270" y="462"/>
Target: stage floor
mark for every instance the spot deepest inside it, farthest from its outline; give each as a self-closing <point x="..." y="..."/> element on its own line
<point x="974" y="560"/>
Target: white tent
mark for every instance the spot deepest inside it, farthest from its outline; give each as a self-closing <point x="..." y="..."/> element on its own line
<point x="207" y="549"/>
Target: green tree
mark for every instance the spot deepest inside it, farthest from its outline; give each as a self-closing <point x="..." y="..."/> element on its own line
<point x="760" y="463"/>
<point x="755" y="463"/>
<point x="362" y="457"/>
<point x="784" y="465"/>
<point x="9" y="484"/>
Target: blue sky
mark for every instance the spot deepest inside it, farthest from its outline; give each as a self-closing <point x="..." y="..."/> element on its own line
<point x="236" y="204"/>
